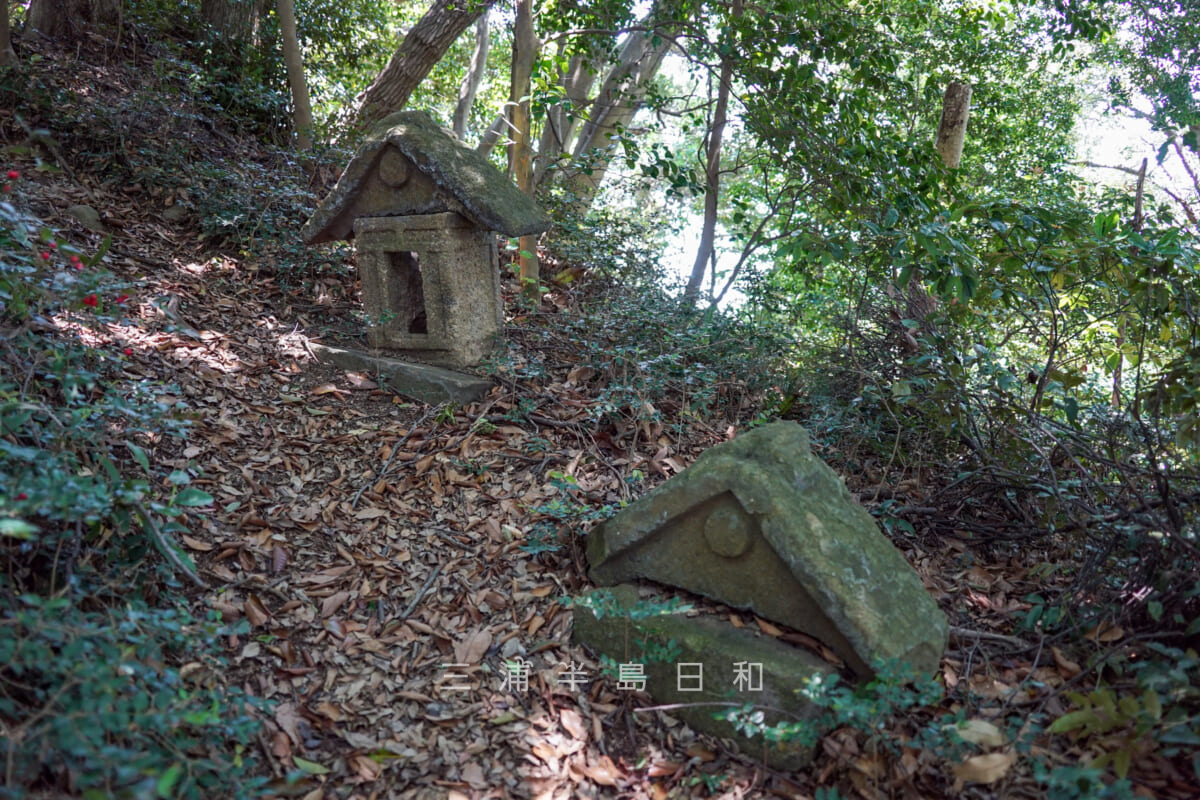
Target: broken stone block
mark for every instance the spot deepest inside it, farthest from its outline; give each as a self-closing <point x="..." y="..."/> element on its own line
<point x="760" y="523"/>
<point x="722" y="667"/>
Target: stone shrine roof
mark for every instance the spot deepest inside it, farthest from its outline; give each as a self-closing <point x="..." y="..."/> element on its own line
<point x="409" y="165"/>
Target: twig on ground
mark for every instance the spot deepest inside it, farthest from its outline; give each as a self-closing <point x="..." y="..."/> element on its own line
<point x="167" y="547"/>
<point x="968" y="633"/>
<point x="416" y="600"/>
<point x="448" y="537"/>
<point x="396" y="449"/>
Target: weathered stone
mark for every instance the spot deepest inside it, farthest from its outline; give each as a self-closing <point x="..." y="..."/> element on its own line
<point x="422" y="207"/>
<point x="88" y="217"/>
<point x="409" y="165"/>
<point x="761" y="523"/>
<point x="718" y="648"/>
<point x="430" y="287"/>
<point x="418" y="381"/>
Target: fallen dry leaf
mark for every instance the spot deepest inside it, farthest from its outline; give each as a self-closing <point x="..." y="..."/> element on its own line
<point x="1066" y="666"/>
<point x="368" y="769"/>
<point x="360" y="381"/>
<point x="287" y="716"/>
<point x="661" y="769"/>
<point x="986" y="769"/>
<point x="256" y="611"/>
<point x="328" y="388"/>
<point x="331" y="604"/>
<point x="573" y="723"/>
<point x="471" y="649"/>
<point x="1106" y="633"/>
<point x="196" y="544"/>
<point x="603" y="771"/>
<point x="980" y="732"/>
<point x="473" y="774"/>
<point x="279" y="559"/>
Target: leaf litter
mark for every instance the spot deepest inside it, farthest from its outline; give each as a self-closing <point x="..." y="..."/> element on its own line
<point x="374" y="547"/>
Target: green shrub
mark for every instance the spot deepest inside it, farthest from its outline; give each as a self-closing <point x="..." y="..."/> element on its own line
<point x="102" y="704"/>
<point x="107" y="688"/>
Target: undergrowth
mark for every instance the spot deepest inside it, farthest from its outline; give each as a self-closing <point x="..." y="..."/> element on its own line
<point x="1048" y="424"/>
<point x="161" y="139"/>
<point x="649" y="361"/>
<point x="109" y="686"/>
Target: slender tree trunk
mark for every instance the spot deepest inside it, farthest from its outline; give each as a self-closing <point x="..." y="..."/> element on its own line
<point x="520" y="155"/>
<point x="302" y="119"/>
<point x="562" y="119"/>
<point x="619" y="99"/>
<point x="952" y="130"/>
<point x="712" y="184"/>
<point x="421" y="49"/>
<point x="473" y="78"/>
<point x="7" y="54"/>
<point x="949" y="142"/>
<point x="1138" y="219"/>
<point x="559" y="127"/>
<point x="491" y="137"/>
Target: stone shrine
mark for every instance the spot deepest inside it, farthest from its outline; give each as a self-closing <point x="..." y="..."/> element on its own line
<point x="423" y="210"/>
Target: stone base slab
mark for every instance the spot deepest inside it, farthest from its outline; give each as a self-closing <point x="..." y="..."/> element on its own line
<point x="418" y="381"/>
<point x="712" y="650"/>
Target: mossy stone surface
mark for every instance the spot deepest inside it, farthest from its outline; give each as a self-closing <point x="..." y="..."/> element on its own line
<point x="712" y="650"/>
<point x="761" y="523"/>
<point x="409" y="165"/>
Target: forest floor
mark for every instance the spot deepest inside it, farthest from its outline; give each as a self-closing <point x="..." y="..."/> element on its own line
<point x="370" y="540"/>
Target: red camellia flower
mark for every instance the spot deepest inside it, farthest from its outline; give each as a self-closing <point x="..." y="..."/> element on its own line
<point x="90" y="300"/>
<point x="121" y="298"/>
<point x="128" y="351"/>
<point x="52" y="245"/>
<point x="45" y="256"/>
<point x="22" y="496"/>
<point x="13" y="174"/>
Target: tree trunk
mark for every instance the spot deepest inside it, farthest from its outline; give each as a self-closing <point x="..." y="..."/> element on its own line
<point x="520" y="156"/>
<point x="1138" y="219"/>
<point x="951" y="136"/>
<point x="712" y="173"/>
<point x="491" y="137"/>
<point x="952" y="130"/>
<point x="7" y="55"/>
<point x="563" y="117"/>
<point x="302" y="119"/>
<point x="423" y="47"/>
<point x="235" y="20"/>
<point x="620" y="97"/>
<point x="66" y="18"/>
<point x="474" y="77"/>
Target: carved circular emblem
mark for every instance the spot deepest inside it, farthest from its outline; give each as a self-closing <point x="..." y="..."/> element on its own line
<point x="394" y="169"/>
<point x="727" y="531"/>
